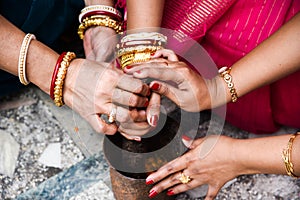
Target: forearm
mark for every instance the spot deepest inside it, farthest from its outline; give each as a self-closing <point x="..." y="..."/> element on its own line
<point x="99" y="2"/>
<point x="144" y="14"/>
<point x="264" y="155"/>
<point x="40" y="59"/>
<point x="276" y="57"/>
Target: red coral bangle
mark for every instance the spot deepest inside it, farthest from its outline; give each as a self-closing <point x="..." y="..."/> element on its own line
<point x="56" y="68"/>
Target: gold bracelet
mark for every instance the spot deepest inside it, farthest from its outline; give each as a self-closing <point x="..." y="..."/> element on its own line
<point x="286" y="156"/>
<point x="225" y="74"/>
<point x="22" y="58"/>
<point x="61" y="75"/>
<point x="99" y="21"/>
<point x="135" y="58"/>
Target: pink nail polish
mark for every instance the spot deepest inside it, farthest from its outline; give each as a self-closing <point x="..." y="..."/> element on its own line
<point x="170" y="193"/>
<point x="152" y="194"/>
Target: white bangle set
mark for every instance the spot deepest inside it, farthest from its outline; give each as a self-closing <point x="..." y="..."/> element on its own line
<point x="145" y="36"/>
<point x="94" y="8"/>
<point x="22" y="58"/>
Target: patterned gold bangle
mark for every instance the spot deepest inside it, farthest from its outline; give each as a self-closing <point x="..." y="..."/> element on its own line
<point x="60" y="78"/>
<point x="287" y="157"/>
<point x="22" y="58"/>
<point x="99" y="21"/>
<point x="225" y="74"/>
<point x="134" y="58"/>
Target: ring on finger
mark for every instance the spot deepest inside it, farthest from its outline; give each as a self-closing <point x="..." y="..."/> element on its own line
<point x="184" y="179"/>
<point x="113" y="114"/>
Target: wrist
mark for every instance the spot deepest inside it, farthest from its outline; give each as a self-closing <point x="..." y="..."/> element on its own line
<point x="218" y="92"/>
<point x="99" y="2"/>
<point x="71" y="81"/>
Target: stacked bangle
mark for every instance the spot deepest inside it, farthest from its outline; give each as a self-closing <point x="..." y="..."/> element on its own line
<point x="58" y="77"/>
<point x="105" y="10"/>
<point x="287" y="157"/>
<point x="138" y="47"/>
<point x="99" y="20"/>
<point x="225" y="74"/>
<point x="22" y="58"/>
<point x="99" y="15"/>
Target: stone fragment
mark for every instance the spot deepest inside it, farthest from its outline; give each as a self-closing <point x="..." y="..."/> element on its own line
<point x="51" y="157"/>
<point x="9" y="151"/>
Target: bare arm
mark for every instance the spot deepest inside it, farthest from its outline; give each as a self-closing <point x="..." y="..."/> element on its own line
<point x="40" y="58"/>
<point x="99" y="2"/>
<point x="276" y="57"/>
<point x="144" y="14"/>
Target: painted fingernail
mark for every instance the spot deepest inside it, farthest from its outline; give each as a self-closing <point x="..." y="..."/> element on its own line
<point x="149" y="93"/>
<point x="149" y="182"/>
<point x="152" y="194"/>
<point x="138" y="71"/>
<point x="155" y="86"/>
<point x="128" y="67"/>
<point x="152" y="54"/>
<point x="146" y="103"/>
<point x="153" y="120"/>
<point x="170" y="193"/>
<point x="184" y="137"/>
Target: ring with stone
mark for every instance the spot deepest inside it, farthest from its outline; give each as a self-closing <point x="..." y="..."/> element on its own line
<point x="184" y="179"/>
<point x="113" y="114"/>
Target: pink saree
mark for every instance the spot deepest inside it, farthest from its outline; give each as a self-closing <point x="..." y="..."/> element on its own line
<point x="228" y="30"/>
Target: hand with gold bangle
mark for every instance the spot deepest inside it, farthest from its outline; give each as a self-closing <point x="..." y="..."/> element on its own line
<point x="90" y="88"/>
<point x="100" y="25"/>
<point x="227" y="158"/>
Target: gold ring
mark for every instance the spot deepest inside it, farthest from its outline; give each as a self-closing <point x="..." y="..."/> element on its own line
<point x="112" y="115"/>
<point x="184" y="179"/>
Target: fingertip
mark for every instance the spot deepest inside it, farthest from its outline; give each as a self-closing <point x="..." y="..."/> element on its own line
<point x="155" y="86"/>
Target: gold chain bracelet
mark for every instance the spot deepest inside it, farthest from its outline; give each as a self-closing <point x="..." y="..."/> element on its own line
<point x="287" y="157"/>
<point x="225" y="74"/>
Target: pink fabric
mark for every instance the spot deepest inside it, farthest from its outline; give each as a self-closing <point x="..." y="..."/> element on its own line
<point x="241" y="27"/>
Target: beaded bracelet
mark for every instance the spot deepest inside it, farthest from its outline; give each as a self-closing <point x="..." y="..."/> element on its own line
<point x="22" y="58"/>
<point x="286" y="156"/>
<point x="103" y="8"/>
<point x="225" y="74"/>
<point x="99" y="21"/>
<point x="60" y="77"/>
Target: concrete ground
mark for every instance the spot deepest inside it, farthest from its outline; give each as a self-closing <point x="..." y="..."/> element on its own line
<point x="47" y="142"/>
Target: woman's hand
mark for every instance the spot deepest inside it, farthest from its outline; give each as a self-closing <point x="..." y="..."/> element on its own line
<point x="176" y="81"/>
<point x="93" y="89"/>
<point x="99" y="44"/>
<point x="210" y="161"/>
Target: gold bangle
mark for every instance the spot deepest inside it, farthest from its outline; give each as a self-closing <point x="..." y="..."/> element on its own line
<point x="22" y="58"/>
<point x="99" y="21"/>
<point x="287" y="157"/>
<point x="61" y="75"/>
<point x="225" y="74"/>
<point x="134" y="58"/>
